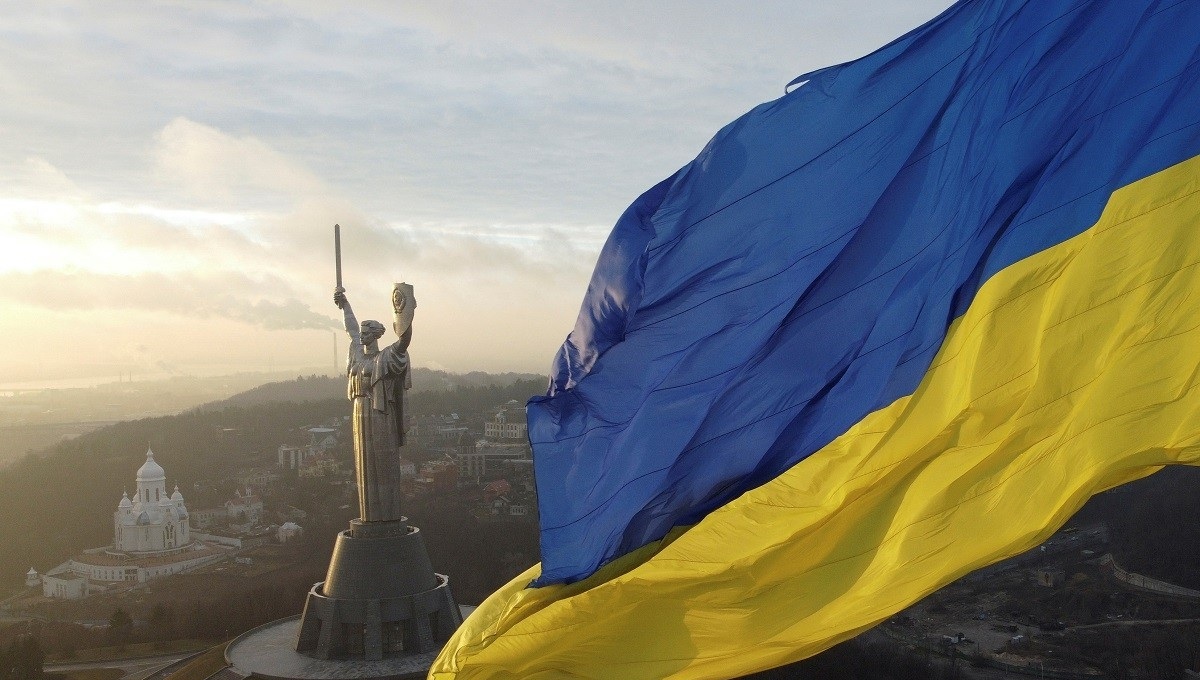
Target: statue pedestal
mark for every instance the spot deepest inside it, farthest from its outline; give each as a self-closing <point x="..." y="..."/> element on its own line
<point x="380" y="598"/>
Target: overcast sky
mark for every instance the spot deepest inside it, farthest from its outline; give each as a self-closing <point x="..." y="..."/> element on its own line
<point x="170" y="172"/>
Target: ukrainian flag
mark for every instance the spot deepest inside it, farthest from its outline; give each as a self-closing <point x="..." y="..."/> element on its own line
<point x="892" y="327"/>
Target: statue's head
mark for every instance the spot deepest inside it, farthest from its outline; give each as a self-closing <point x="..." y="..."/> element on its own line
<point x="369" y="331"/>
<point x="404" y="305"/>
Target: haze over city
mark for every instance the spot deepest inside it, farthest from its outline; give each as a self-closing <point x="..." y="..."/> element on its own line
<point x="895" y="379"/>
<point x="171" y="172"/>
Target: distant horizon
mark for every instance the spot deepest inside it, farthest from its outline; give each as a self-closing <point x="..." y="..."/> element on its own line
<point x="277" y="375"/>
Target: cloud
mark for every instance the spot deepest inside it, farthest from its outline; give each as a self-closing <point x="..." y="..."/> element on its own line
<point x="225" y="295"/>
<point x="258" y="267"/>
<point x="480" y="152"/>
<point x="184" y="268"/>
<point x="41" y="180"/>
<point x="209" y="163"/>
<point x="288" y="315"/>
<point x="114" y="238"/>
<point x="377" y="252"/>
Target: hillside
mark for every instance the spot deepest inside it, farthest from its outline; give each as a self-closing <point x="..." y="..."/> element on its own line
<point x="1154" y="525"/>
<point x="33" y="419"/>
<point x="321" y="387"/>
<point x="58" y="501"/>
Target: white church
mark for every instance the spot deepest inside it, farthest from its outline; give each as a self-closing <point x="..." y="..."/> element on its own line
<point x="151" y="538"/>
<point x="154" y="522"/>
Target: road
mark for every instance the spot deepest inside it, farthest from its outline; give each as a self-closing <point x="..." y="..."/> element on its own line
<point x="1132" y="622"/>
<point x="966" y="670"/>
<point x="133" y="669"/>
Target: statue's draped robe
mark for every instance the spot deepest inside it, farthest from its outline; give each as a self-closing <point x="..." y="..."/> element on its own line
<point x="377" y="388"/>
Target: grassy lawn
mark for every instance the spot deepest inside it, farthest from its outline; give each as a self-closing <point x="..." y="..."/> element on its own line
<point x="202" y="666"/>
<point x="89" y="674"/>
<point x="131" y="651"/>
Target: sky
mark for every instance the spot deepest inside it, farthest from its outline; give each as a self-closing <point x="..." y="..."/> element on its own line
<point x="170" y="172"/>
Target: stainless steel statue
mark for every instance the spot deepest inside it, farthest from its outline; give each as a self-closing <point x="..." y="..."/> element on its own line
<point x="377" y="387"/>
<point x="381" y="599"/>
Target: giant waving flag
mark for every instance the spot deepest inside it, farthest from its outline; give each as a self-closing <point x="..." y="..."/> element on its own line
<point x="894" y="326"/>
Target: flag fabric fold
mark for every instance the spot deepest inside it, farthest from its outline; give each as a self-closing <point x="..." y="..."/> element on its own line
<point x="894" y="326"/>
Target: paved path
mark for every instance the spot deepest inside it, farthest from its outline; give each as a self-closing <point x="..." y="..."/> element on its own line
<point x="133" y="669"/>
<point x="1138" y="622"/>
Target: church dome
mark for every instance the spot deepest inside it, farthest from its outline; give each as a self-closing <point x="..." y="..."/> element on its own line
<point x="125" y="503"/>
<point x="150" y="470"/>
<point x="176" y="496"/>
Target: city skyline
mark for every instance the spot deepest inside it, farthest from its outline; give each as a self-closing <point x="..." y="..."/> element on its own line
<point x="172" y="172"/>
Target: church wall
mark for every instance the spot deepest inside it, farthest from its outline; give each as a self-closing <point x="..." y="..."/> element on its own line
<point x="149" y="573"/>
<point x="156" y="536"/>
<point x="72" y="582"/>
<point x="107" y="573"/>
<point x="70" y="588"/>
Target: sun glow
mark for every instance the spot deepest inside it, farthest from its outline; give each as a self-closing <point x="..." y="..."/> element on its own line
<point x="62" y="235"/>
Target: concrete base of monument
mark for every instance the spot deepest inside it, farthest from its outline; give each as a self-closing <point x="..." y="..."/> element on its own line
<point x="379" y="598"/>
<point x="381" y="612"/>
<point x="269" y="652"/>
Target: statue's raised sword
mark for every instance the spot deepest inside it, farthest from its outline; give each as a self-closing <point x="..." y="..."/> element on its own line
<point x="337" y="254"/>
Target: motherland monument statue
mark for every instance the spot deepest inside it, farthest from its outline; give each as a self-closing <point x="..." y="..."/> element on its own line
<point x="380" y="599"/>
<point x="378" y="381"/>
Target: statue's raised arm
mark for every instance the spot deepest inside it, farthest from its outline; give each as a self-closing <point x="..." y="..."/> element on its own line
<point x="339" y="299"/>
